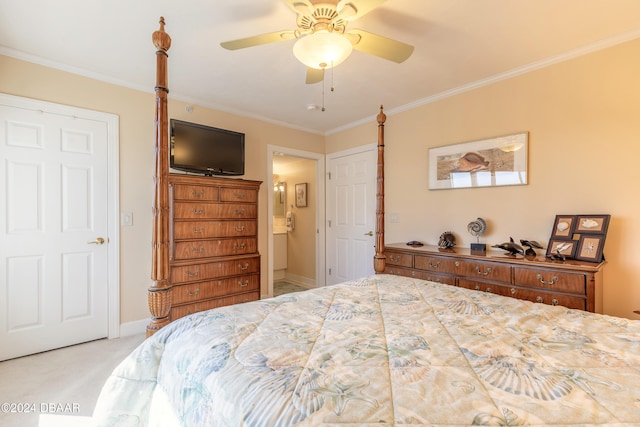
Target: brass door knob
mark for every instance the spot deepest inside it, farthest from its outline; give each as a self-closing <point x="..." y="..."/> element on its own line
<point x="98" y="241"/>
<point x="369" y="233"/>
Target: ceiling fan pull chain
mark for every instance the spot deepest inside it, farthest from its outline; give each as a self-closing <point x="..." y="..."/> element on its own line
<point x="331" y="76"/>
<point x="323" y="95"/>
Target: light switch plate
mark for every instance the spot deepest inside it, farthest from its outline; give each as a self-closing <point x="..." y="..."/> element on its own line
<point x="126" y="219"/>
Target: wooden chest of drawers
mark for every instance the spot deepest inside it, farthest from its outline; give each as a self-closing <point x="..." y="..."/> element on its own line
<point x="213" y="233"/>
<point x="573" y="284"/>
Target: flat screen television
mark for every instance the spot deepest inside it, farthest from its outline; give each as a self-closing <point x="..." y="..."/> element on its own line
<point x="205" y="150"/>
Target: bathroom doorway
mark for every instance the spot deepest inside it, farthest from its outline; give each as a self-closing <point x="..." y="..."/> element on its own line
<point x="295" y="218"/>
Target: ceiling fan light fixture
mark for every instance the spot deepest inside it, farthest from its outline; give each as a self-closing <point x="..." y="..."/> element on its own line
<point x="322" y="49"/>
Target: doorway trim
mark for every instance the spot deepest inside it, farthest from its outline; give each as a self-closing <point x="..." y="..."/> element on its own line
<point x="113" y="190"/>
<point x="320" y="210"/>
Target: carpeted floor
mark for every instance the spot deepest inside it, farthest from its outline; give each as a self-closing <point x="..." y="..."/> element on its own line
<point x="66" y="381"/>
<point x="282" y="287"/>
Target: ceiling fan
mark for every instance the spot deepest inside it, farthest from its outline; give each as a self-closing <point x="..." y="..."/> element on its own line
<point x="323" y="40"/>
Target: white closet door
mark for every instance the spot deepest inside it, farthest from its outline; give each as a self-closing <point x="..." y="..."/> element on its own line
<point x="53" y="228"/>
<point x="351" y="214"/>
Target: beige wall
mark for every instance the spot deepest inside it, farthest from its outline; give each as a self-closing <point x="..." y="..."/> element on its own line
<point x="136" y="112"/>
<point x="583" y="119"/>
<point x="301" y="248"/>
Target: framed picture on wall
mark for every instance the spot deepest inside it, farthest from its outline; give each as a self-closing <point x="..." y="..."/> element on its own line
<point x="490" y="162"/>
<point x="301" y="195"/>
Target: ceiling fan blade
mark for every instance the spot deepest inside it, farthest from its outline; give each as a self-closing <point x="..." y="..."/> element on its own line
<point x="301" y="7"/>
<point x="380" y="46"/>
<point x="314" y="75"/>
<point x="259" y="40"/>
<point x="354" y="9"/>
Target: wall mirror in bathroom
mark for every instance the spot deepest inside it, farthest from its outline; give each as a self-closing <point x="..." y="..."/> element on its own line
<point x="279" y="198"/>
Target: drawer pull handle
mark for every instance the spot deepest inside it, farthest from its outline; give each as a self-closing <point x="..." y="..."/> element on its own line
<point x="240" y="196"/>
<point x="488" y="290"/>
<point x="243" y="284"/>
<point x="539" y="299"/>
<point x="199" y="211"/>
<point x="237" y="246"/>
<point x="197" y="250"/>
<point x="239" y="211"/>
<point x="487" y="271"/>
<point x="194" y="274"/>
<point x="239" y="227"/>
<point x="477" y="287"/>
<point x="194" y="293"/>
<point x="196" y="230"/>
<point x="198" y="194"/>
<point x="394" y="258"/>
<point x="243" y="268"/>
<point x="457" y="263"/>
<point x="554" y="302"/>
<point x="434" y="266"/>
<point x="413" y="273"/>
<point x="513" y="291"/>
<point x="553" y="280"/>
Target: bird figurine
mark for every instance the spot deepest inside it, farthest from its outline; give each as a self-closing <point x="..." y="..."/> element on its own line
<point x="511" y="247"/>
<point x="530" y="244"/>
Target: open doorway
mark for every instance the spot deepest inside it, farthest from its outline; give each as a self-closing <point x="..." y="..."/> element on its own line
<point x="295" y="217"/>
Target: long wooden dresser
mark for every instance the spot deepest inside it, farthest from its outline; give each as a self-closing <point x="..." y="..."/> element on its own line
<point x="573" y="284"/>
<point x="213" y="233"/>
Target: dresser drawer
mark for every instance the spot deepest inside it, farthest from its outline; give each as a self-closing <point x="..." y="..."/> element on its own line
<point x="195" y="193"/>
<point x="553" y="280"/>
<point x="399" y="271"/>
<point x="213" y="270"/>
<point x="214" y="211"/>
<point x="207" y="229"/>
<point x="549" y="298"/>
<point x="424" y="275"/>
<point x="184" y="310"/>
<point x="215" y="288"/>
<point x="243" y="195"/>
<point x="219" y="247"/>
<point x="437" y="264"/>
<point x="399" y="259"/>
<point x="484" y="270"/>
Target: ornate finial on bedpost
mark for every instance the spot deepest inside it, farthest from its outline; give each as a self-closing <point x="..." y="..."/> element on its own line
<point x="382" y="117"/>
<point x="379" y="259"/>
<point x="161" y="40"/>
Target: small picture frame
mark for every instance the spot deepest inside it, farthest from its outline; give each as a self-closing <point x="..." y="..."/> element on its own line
<point x="590" y="247"/>
<point x="592" y="224"/>
<point x="301" y="195"/>
<point x="563" y="227"/>
<point x="565" y="247"/>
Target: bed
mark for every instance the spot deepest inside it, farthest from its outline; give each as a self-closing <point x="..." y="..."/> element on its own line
<point x="379" y="350"/>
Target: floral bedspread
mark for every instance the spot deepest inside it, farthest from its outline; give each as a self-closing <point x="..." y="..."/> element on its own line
<point x="382" y="350"/>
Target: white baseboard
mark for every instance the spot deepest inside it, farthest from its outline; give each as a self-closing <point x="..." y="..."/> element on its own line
<point x="134" y="328"/>
<point x="300" y="280"/>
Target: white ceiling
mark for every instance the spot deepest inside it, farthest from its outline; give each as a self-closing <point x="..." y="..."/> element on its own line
<point x="459" y="44"/>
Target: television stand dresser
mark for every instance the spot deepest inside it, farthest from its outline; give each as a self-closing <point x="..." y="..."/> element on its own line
<point x="570" y="283"/>
<point x="213" y="243"/>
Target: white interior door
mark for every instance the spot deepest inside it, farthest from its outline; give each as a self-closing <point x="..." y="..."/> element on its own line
<point x="351" y="212"/>
<point x="53" y="225"/>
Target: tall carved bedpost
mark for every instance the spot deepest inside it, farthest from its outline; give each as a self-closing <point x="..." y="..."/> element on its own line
<point x="159" y="295"/>
<point x="379" y="259"/>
